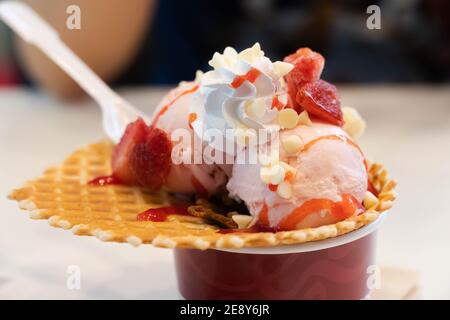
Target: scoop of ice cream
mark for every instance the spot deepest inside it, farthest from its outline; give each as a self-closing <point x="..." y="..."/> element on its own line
<point x="319" y="178"/>
<point x="172" y="115"/>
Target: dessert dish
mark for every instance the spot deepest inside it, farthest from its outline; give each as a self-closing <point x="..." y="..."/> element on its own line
<point x="317" y="175"/>
<point x="254" y="157"/>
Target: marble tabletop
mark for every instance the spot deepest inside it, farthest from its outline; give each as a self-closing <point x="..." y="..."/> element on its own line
<point x="408" y="130"/>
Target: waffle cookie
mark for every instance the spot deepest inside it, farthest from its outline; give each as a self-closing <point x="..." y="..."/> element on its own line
<point x="63" y="196"/>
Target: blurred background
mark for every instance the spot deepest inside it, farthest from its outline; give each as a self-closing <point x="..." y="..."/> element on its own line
<point x="164" y="42"/>
<point x="397" y="77"/>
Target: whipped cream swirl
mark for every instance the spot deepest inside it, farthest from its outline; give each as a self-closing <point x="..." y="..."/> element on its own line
<point x="243" y="91"/>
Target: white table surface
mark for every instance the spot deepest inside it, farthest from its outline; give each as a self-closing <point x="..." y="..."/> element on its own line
<point x="408" y="130"/>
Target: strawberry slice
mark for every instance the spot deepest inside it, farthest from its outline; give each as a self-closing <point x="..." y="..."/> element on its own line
<point x="134" y="133"/>
<point x="150" y="160"/>
<point x="321" y="100"/>
<point x="308" y="66"/>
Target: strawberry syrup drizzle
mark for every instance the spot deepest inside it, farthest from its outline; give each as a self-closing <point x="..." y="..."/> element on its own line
<point x="276" y="103"/>
<point x="167" y="106"/>
<point x="161" y="214"/>
<point x="105" y="180"/>
<point x="250" y="76"/>
<point x="191" y="118"/>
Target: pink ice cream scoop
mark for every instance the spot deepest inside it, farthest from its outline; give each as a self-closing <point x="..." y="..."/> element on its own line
<point x="172" y="116"/>
<point x="323" y="182"/>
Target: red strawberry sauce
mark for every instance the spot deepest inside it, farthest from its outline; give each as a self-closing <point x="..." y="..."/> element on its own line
<point x="250" y="76"/>
<point x="105" y="180"/>
<point x="161" y="214"/>
<point x="167" y="106"/>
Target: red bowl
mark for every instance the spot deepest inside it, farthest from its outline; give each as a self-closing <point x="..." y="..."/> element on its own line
<point x="330" y="269"/>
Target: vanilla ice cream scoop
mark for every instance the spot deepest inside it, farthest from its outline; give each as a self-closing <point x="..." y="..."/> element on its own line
<point x="172" y="115"/>
<point x="319" y="178"/>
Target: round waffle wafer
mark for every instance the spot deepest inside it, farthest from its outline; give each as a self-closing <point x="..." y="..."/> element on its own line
<point x="63" y="196"/>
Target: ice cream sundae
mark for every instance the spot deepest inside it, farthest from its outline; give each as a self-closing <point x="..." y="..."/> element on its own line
<point x="316" y="176"/>
<point x="254" y="157"/>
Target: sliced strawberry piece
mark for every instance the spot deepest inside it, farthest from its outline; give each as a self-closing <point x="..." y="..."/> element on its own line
<point x="308" y="66"/>
<point x="134" y="133"/>
<point x="150" y="159"/>
<point x="321" y="100"/>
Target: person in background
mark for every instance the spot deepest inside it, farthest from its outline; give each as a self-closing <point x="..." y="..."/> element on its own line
<point x="163" y="42"/>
